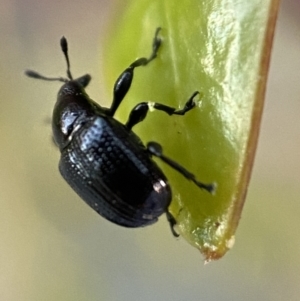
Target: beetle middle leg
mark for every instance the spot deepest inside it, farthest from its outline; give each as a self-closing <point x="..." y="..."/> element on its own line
<point x="124" y="81"/>
<point x="139" y="112"/>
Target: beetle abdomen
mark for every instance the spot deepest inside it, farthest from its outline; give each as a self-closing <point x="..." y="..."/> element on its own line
<point x="111" y="170"/>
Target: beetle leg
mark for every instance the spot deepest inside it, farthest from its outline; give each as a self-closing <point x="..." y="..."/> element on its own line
<point x="124" y="81"/>
<point x="172" y="221"/>
<point x="155" y="149"/>
<point x="139" y="112"/>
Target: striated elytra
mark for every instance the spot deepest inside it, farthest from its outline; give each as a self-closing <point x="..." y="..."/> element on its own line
<point x="103" y="160"/>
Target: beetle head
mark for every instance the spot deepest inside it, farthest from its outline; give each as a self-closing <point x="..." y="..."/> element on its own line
<point x="73" y="105"/>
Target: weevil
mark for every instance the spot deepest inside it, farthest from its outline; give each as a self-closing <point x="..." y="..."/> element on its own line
<point x="103" y="160"/>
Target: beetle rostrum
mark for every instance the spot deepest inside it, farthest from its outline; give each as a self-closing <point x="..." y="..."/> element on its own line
<point x="103" y="160"/>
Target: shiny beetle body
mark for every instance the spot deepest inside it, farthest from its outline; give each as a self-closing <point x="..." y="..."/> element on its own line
<point x="102" y="159"/>
<point x="106" y="164"/>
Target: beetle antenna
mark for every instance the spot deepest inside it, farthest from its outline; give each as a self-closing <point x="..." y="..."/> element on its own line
<point x="64" y="48"/>
<point x="36" y="75"/>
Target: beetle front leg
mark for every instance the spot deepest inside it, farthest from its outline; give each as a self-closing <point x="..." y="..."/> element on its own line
<point x="140" y="111"/>
<point x="124" y="81"/>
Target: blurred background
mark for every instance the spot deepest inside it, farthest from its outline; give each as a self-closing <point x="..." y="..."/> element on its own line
<point x="54" y="247"/>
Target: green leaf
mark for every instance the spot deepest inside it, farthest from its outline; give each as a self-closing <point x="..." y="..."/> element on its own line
<point x="222" y="49"/>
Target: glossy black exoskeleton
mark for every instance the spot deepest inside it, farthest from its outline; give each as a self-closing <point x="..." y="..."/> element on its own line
<point x="103" y="160"/>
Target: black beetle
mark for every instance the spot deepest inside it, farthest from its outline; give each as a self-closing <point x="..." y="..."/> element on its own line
<point x="103" y="160"/>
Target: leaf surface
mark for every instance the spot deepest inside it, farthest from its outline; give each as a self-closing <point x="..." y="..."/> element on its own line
<point x="222" y="49"/>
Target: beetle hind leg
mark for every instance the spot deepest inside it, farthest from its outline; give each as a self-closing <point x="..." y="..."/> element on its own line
<point x="155" y="149"/>
<point x="172" y="222"/>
